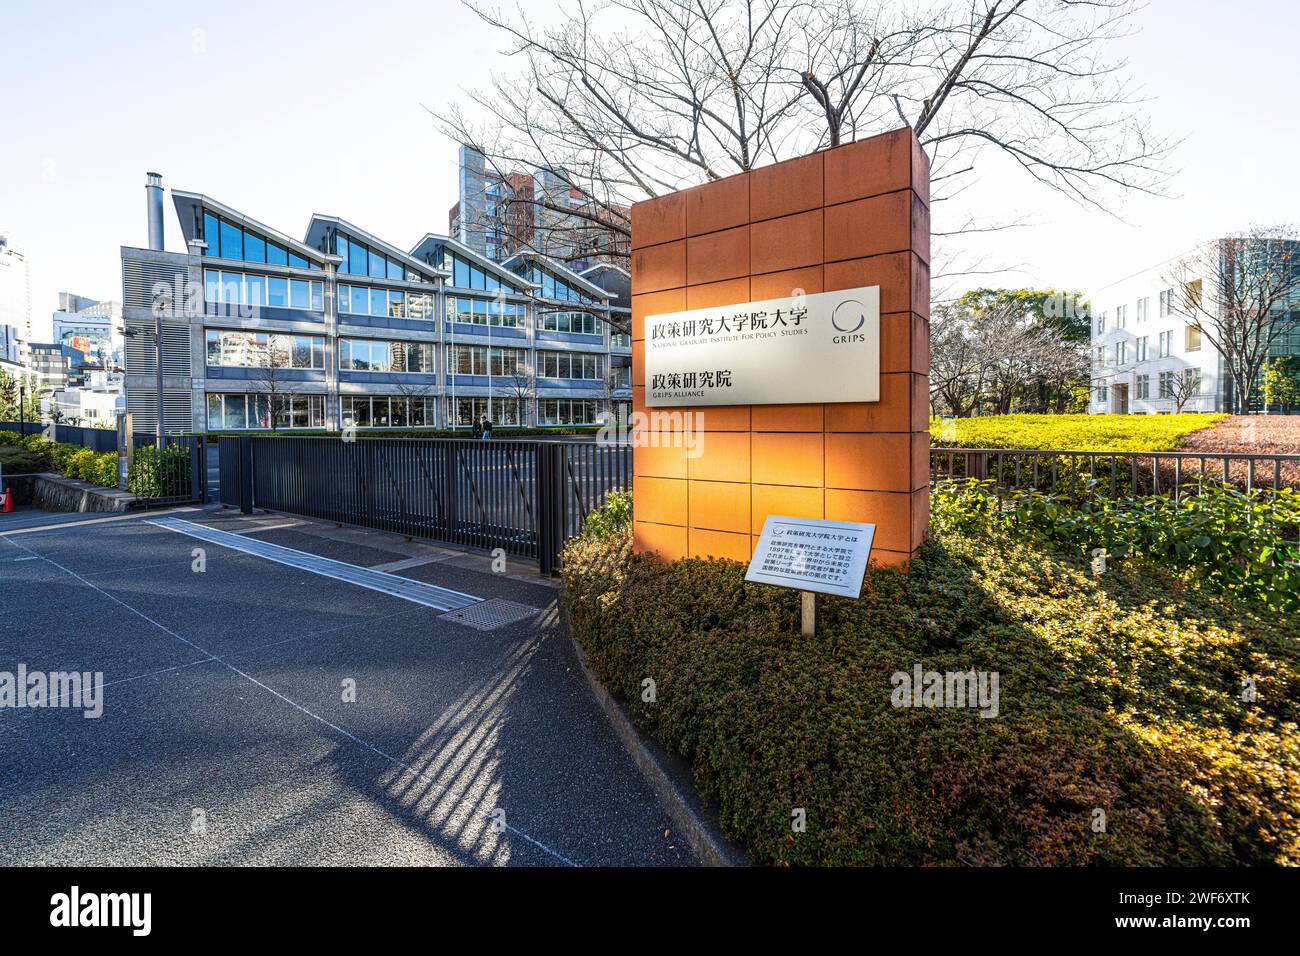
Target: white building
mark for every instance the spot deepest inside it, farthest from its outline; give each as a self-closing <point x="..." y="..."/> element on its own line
<point x="1142" y="344"/>
<point x="90" y="326"/>
<point x="15" y="288"/>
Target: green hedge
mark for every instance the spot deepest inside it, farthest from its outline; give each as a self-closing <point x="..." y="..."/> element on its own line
<point x="1122" y="694"/>
<point x="1069" y="432"/>
<point x="28" y="454"/>
<point x="1223" y="538"/>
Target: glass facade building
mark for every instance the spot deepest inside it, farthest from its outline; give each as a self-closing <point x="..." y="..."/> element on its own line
<point x="341" y="329"/>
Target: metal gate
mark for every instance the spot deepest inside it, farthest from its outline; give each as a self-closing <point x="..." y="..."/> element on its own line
<point x="526" y="497"/>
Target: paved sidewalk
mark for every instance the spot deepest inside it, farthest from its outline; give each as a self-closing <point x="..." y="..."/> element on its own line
<point x="225" y="736"/>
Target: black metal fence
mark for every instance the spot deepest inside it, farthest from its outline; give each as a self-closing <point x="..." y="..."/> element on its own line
<point x="98" y="440"/>
<point x="526" y="497"/>
<point x="172" y="473"/>
<point x="1115" y="474"/>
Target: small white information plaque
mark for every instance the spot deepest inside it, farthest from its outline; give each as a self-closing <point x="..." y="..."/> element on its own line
<point x="809" y="554"/>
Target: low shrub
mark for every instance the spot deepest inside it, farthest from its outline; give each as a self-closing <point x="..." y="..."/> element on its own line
<point x="1069" y="432"/>
<point x="98" y="469"/>
<point x="1122" y="696"/>
<point x="156" y="474"/>
<point x="20" y="461"/>
<point x="29" y="454"/>
<point x="1225" y="539"/>
<point x="613" y="516"/>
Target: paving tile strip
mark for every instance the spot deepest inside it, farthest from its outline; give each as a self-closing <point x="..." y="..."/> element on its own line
<point x="430" y="595"/>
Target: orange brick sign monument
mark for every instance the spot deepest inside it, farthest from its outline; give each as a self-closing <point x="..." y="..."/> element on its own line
<point x="781" y="353"/>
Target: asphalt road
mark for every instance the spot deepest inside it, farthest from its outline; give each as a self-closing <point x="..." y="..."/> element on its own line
<point x="225" y="738"/>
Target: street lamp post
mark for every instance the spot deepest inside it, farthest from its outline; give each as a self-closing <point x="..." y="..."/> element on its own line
<point x="158" y="361"/>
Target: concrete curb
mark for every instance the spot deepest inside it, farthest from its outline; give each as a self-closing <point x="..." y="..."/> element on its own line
<point x="668" y="776"/>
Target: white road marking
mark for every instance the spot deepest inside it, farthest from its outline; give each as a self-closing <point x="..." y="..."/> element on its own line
<point x="430" y="595"/>
<point x="402" y="765"/>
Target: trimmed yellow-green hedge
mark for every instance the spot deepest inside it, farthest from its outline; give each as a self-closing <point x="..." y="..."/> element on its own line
<point x="1123" y="696"/>
<point x="1069" y="432"/>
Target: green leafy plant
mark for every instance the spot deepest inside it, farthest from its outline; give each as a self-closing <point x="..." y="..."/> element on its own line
<point x="612" y="517"/>
<point x="1223" y="538"/>
<point x="1121" y="694"/>
<point x="27" y="454"/>
<point x="159" y="474"/>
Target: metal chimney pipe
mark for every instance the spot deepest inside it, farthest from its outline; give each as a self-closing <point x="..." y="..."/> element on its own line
<point x="154" y="198"/>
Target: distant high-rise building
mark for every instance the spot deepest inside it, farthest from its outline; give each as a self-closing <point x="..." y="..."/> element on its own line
<point x="15" y="288"/>
<point x="8" y="342"/>
<point x="503" y="214"/>
<point x="92" y="327"/>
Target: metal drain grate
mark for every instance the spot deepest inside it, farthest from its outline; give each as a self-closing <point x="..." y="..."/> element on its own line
<point x="430" y="595"/>
<point x="491" y="614"/>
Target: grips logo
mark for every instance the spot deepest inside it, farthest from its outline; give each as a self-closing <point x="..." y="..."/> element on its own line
<point x="848" y="318"/>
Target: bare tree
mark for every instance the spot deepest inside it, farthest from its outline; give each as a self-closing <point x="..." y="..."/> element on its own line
<point x="416" y="393"/>
<point x="629" y="99"/>
<point x="1241" y="293"/>
<point x="955" y="363"/>
<point x="522" y="388"/>
<point x="270" y="380"/>
<point x="996" y="353"/>
<point x="1183" y="387"/>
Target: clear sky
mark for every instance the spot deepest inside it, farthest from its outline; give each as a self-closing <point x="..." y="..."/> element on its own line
<point x="282" y="109"/>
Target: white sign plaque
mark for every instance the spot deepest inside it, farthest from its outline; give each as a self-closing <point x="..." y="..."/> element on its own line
<point x="805" y="349"/>
<point x="809" y="554"/>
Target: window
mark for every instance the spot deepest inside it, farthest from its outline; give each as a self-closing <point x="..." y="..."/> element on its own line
<point x="238" y="288"/>
<point x="480" y="360"/>
<point x="1101" y="323"/>
<point x="211" y="235"/>
<point x="1121" y="353"/>
<point x="1166" y="344"/>
<point x="254" y="248"/>
<point x="1143" y="309"/>
<point x="389" y="411"/>
<point x="1142" y="348"/>
<point x="225" y="240"/>
<point x="566" y="411"/>
<point x="571" y="365"/>
<point x="376" y="355"/>
<point x="277" y="292"/>
<point x="484" y="312"/>
<point x="232" y="242"/>
<point x="1121" y="316"/>
<point x="1166" y="302"/>
<point x="1144" y="386"/>
<point x="1192" y="339"/>
<point x="581" y="322"/>
<point x="228" y="348"/>
<point x="385" y="303"/>
<point x="1103" y="393"/>
<point x="234" y="411"/>
<point x="464" y="412"/>
<point x="1192" y="294"/>
<point x="1166" y="384"/>
<point x="419" y="305"/>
